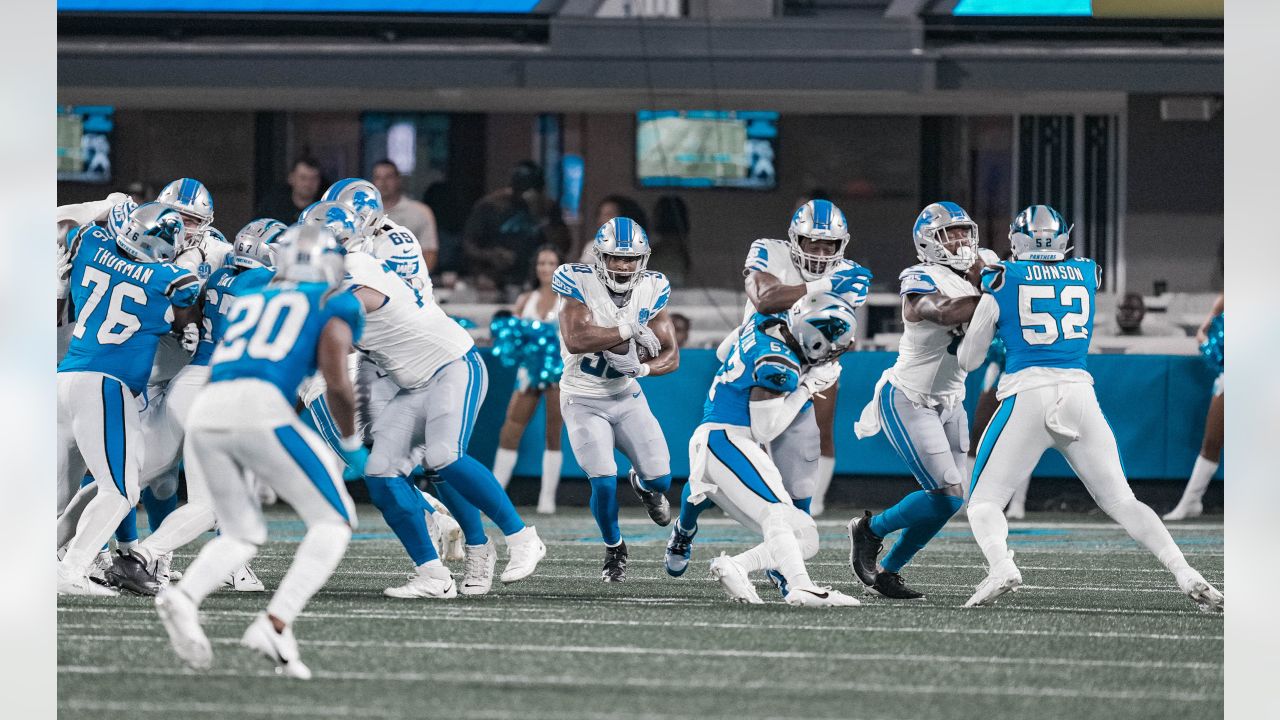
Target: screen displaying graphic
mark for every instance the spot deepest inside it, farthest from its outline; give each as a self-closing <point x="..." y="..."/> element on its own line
<point x="300" y="6"/>
<point x="84" y="143"/>
<point x="707" y="148"/>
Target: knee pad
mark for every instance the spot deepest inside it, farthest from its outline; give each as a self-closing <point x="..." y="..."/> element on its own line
<point x="436" y="455"/>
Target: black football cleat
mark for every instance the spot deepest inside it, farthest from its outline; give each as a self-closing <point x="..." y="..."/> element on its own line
<point x="655" y="503"/>
<point x="891" y="585"/>
<point x="127" y="571"/>
<point x="615" y="563"/>
<point x="864" y="548"/>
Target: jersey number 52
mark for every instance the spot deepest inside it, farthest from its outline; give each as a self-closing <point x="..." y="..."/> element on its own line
<point x="1042" y="328"/>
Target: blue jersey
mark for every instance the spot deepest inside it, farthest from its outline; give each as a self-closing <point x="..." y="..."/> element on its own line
<point x="224" y="285"/>
<point x="272" y="334"/>
<point x="759" y="358"/>
<point x="122" y="307"/>
<point x="1046" y="311"/>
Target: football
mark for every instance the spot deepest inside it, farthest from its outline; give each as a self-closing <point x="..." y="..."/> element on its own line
<point x="624" y="347"/>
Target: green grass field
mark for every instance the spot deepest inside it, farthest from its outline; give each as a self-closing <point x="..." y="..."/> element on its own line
<point x="1098" y="630"/>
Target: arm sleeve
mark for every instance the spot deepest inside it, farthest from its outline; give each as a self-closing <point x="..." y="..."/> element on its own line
<point x="977" y="339"/>
<point x="770" y="417"/>
<point x="184" y="289"/>
<point x="776" y="373"/>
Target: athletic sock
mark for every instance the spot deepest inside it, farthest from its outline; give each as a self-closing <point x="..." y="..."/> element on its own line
<point x="604" y="506"/>
<point x="552" y="461"/>
<point x="914" y="508"/>
<point x="400" y="503"/>
<point x="689" y="512"/>
<point x="757" y="558"/>
<point x="826" y="471"/>
<point x="475" y="483"/>
<point x="503" y="464"/>
<point x="919" y="533"/>
<point x="99" y="519"/>
<point x="317" y="557"/>
<point x="658" y="484"/>
<point x="1201" y="474"/>
<point x="991" y="531"/>
<point x="157" y="508"/>
<point x="783" y="546"/>
<point x="466" y="514"/>
<point x="216" y="561"/>
<point x="803" y="503"/>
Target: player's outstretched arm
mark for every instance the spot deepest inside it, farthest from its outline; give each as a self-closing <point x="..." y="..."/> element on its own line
<point x="669" y="359"/>
<point x="331" y="359"/>
<point x="769" y="295"/>
<point x="977" y="339"/>
<point x="772" y="411"/>
<point x="581" y="335"/>
<point x="940" y="310"/>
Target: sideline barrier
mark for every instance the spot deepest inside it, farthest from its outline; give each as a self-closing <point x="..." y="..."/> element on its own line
<point x="1156" y="405"/>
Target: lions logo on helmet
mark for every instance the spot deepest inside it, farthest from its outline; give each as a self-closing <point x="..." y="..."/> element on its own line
<point x="254" y="246"/>
<point x="1040" y="233"/>
<point x="362" y="198"/>
<point x="338" y="217"/>
<point x="823" y="324"/>
<point x="153" y="234"/>
<point x="309" y="253"/>
<point x="192" y="199"/>
<point x="941" y="225"/>
<point x="817" y="221"/>
<point x="620" y="238"/>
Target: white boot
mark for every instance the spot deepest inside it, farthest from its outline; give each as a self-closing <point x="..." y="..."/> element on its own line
<point x="278" y="647"/>
<point x="1205" y="596"/>
<point x="733" y="579"/>
<point x="429" y="582"/>
<point x="1004" y="577"/>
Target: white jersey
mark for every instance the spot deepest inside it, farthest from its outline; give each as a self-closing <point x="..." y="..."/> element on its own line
<point x="773" y="257"/>
<point x="409" y="337"/>
<point x="397" y="245"/>
<point x="589" y="374"/>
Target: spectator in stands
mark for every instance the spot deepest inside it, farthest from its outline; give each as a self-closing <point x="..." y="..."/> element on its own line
<point x="451" y="211"/>
<point x="507" y="226"/>
<point x="286" y="203"/>
<point x="610" y="207"/>
<point x="1131" y="311"/>
<point x="670" y="239"/>
<point x="410" y="213"/>
<point x="681" y="325"/>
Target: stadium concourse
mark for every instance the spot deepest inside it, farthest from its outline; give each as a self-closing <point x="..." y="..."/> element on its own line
<point x="1096" y="625"/>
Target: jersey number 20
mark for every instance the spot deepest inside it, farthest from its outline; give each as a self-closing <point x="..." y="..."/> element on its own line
<point x="276" y="325"/>
<point x="1041" y="328"/>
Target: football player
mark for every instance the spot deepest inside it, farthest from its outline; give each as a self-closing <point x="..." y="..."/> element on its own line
<point x="126" y="295"/>
<point x="613" y="330"/>
<point x="919" y="401"/>
<point x="244" y="420"/>
<point x="773" y="370"/>
<point x="1041" y="304"/>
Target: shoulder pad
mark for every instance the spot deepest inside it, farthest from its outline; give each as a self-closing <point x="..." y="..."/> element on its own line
<point x="916" y="280"/>
<point x="758" y="255"/>
<point x="565" y="281"/>
<point x="988" y="256"/>
<point x="993" y="277"/>
<point x="777" y="372"/>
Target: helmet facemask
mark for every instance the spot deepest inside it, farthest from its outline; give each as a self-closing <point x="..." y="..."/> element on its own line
<point x="619" y="281"/>
<point x="816" y="265"/>
<point x="954" y="245"/>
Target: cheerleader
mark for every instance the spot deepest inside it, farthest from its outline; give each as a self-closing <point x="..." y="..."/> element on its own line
<point x="1210" y="335"/>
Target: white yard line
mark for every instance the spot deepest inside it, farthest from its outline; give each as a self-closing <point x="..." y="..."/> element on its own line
<point x="275" y="710"/>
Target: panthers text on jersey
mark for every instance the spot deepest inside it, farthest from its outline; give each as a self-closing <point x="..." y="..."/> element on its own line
<point x="223" y="286"/>
<point x="272" y="334"/>
<point x="589" y="374"/>
<point x="409" y="337"/>
<point x="1046" y="311"/>
<point x="774" y="258"/>
<point x="760" y="358"/>
<point x="122" y="307"/>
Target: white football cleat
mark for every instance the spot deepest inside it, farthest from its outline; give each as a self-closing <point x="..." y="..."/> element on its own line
<point x="244" y="579"/>
<point x="546" y="504"/>
<point x="72" y="583"/>
<point x="435" y="582"/>
<point x="98" y="568"/>
<point x="814" y="596"/>
<point x="1004" y="577"/>
<point x="733" y="579"/>
<point x="163" y="570"/>
<point x="1205" y="596"/>
<point x="477" y="572"/>
<point x="181" y="620"/>
<point x="524" y="550"/>
<point x="1185" y="511"/>
<point x="280" y="648"/>
<point x="454" y="545"/>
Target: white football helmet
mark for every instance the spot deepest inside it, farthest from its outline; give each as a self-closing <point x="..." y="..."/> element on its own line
<point x="817" y="220"/>
<point x="192" y="199"/>
<point x="930" y="236"/>
<point x="153" y="234"/>
<point x="823" y="324"/>
<point x="620" y="237"/>
<point x="309" y="253"/>
<point x="336" y="216"/>
<point x="1040" y="233"/>
<point x="254" y="246"/>
<point x="362" y="199"/>
<point x="118" y="218"/>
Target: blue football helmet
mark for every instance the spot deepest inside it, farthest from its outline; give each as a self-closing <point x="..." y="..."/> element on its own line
<point x="336" y="216"/>
<point x="153" y="234"/>
<point x="362" y="199"/>
<point x="118" y="218"/>
<point x="823" y="324"/>
<point x="192" y="199"/>
<point x="1040" y="233"/>
<point x="309" y="253"/>
<point x="254" y="246"/>
<point x="817" y="220"/>
<point x="620" y="237"/>
<point x="935" y="228"/>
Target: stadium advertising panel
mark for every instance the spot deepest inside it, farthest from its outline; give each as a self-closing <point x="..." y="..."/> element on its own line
<point x="706" y="149"/>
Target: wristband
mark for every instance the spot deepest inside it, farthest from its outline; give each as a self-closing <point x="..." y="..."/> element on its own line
<point x="820" y="285"/>
<point x="625" y="331"/>
<point x="351" y="444"/>
<point x="644" y="370"/>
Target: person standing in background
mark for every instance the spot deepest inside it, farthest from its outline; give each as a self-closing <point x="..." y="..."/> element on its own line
<point x="286" y="203"/>
<point x="507" y="226"/>
<point x="406" y="211"/>
<point x="1191" y="504"/>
